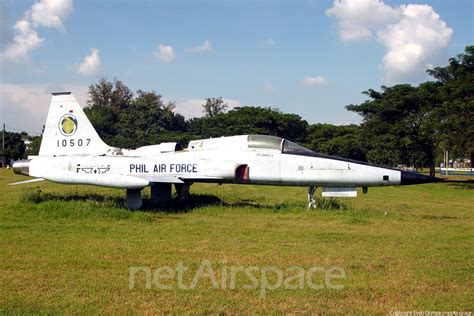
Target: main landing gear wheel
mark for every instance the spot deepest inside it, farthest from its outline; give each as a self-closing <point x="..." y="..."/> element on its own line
<point x="134" y="199"/>
<point x="182" y="190"/>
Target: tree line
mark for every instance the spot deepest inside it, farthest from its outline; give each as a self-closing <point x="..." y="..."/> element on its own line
<point x="401" y="124"/>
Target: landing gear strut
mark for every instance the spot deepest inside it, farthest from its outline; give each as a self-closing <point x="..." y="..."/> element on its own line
<point x="160" y="192"/>
<point x="311" y="200"/>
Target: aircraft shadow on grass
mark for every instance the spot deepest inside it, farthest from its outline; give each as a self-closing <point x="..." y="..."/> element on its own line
<point x="195" y="201"/>
<point x="465" y="185"/>
<point x="39" y="196"/>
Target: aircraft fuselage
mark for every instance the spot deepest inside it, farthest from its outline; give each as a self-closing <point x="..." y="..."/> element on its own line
<point x="260" y="167"/>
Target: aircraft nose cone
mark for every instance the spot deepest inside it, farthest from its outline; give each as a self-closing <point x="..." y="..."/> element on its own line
<point x="408" y="177"/>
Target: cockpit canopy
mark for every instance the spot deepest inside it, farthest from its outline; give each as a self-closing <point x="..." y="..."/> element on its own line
<point x="252" y="142"/>
<point x="277" y="143"/>
<point x="264" y="142"/>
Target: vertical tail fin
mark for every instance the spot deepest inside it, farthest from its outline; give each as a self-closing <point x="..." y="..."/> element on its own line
<point x="68" y="131"/>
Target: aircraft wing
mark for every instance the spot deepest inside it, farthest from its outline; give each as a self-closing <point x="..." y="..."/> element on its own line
<point x="165" y="179"/>
<point x="183" y="179"/>
<point x="201" y="178"/>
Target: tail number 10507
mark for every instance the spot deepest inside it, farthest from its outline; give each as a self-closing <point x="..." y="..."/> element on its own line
<point x="74" y="142"/>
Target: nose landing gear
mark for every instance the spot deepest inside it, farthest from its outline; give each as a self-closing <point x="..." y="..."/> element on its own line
<point x="311" y="200"/>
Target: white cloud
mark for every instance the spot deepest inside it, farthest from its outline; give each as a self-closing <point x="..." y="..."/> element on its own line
<point x="268" y="87"/>
<point x="414" y="42"/>
<point x="357" y="19"/>
<point x="90" y="65"/>
<point x="268" y="41"/>
<point x="26" y="39"/>
<point x="50" y="13"/>
<point x="45" y="13"/>
<point x="193" y="107"/>
<point x="165" y="53"/>
<point x="204" y="47"/>
<point x="314" y="81"/>
<point x="413" y="35"/>
<point x="25" y="106"/>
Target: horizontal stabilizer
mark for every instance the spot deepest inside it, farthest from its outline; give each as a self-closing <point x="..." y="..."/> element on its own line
<point x="27" y="181"/>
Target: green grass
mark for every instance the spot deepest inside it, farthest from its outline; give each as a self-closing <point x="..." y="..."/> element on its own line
<point x="402" y="248"/>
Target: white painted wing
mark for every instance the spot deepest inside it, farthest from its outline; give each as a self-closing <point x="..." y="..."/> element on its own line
<point x="165" y="179"/>
<point x="182" y="179"/>
<point x="201" y="178"/>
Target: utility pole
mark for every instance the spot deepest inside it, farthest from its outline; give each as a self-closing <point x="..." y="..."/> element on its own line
<point x="446" y="162"/>
<point x="3" y="147"/>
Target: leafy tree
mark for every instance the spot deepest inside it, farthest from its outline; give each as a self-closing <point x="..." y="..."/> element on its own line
<point x="250" y="120"/>
<point x="14" y="147"/>
<point x="145" y="118"/>
<point x="214" y="106"/>
<point x="106" y="100"/>
<point x="114" y="94"/>
<point x="104" y="119"/>
<point x="456" y="116"/>
<point x="343" y="141"/>
<point x="178" y="122"/>
<point x="399" y="124"/>
<point x="33" y="148"/>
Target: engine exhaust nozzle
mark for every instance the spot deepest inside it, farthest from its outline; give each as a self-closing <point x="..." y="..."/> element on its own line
<point x="22" y="167"/>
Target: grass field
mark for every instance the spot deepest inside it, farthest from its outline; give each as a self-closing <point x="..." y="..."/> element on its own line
<point x="401" y="248"/>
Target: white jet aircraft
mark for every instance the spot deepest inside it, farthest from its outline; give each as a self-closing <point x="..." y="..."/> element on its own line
<point x="73" y="153"/>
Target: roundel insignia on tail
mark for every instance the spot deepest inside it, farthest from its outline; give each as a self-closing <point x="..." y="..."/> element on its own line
<point x="68" y="125"/>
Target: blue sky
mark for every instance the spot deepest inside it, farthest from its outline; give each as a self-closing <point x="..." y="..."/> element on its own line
<point x="306" y="57"/>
